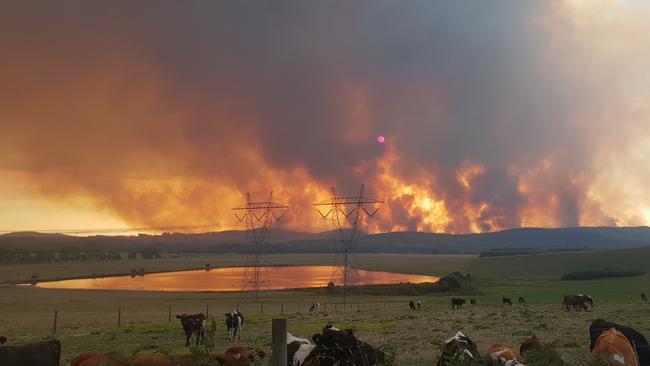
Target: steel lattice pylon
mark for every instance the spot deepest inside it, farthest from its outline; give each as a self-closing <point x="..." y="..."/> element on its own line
<point x="259" y="218"/>
<point x="339" y="205"/>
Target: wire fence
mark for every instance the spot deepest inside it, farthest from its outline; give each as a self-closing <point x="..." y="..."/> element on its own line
<point x="122" y="316"/>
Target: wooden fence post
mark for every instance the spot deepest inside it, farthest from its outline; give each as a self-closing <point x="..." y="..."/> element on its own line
<point x="170" y="313"/>
<point x="207" y="310"/>
<point x="279" y="342"/>
<point x="237" y="307"/>
<point x="56" y="316"/>
<point x="119" y="317"/>
<point x="282" y="307"/>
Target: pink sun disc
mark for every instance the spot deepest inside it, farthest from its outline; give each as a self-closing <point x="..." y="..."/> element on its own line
<point x="381" y="139"/>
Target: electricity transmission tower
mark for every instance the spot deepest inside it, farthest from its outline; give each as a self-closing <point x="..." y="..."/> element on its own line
<point x="259" y="217"/>
<point x="347" y="213"/>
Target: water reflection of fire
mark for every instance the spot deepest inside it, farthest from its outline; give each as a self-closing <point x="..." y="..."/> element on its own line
<point x="230" y="279"/>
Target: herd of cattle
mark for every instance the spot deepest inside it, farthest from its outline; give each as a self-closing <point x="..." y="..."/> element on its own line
<point x="618" y="344"/>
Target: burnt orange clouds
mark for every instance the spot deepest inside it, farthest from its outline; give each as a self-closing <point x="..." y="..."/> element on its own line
<point x="165" y="113"/>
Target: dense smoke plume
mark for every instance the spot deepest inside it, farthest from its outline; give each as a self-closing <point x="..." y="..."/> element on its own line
<point x="520" y="113"/>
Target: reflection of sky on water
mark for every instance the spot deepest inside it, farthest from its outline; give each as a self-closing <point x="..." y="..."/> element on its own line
<point x="230" y="279"/>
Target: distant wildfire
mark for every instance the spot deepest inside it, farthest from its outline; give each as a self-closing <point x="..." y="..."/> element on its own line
<point x="524" y="114"/>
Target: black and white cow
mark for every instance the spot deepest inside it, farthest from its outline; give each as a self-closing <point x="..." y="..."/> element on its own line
<point x="315" y="307"/>
<point x="46" y="353"/>
<point x="299" y="350"/>
<point x="588" y="300"/>
<point x="637" y="340"/>
<point x="506" y="301"/>
<point x="193" y="324"/>
<point x="234" y="324"/>
<point x="411" y="305"/>
<point x="521" y="301"/>
<point x="459" y="349"/>
<point x="419" y="304"/>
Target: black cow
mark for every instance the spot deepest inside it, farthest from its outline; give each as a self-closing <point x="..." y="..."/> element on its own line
<point x="3" y="340"/>
<point x="643" y="297"/>
<point x="46" y="353"/>
<point x="459" y="349"/>
<point x="193" y="324"/>
<point x="472" y="302"/>
<point x="506" y="301"/>
<point x="637" y="340"/>
<point x="457" y="303"/>
<point x="234" y="324"/>
<point x="342" y="347"/>
<point x="521" y="301"/>
<point x="411" y="305"/>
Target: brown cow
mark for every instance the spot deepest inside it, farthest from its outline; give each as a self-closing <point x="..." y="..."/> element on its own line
<point x="99" y="359"/>
<point x="613" y="345"/>
<point x="574" y="302"/>
<point x="499" y="355"/>
<point x="537" y="353"/>
<point x="151" y="360"/>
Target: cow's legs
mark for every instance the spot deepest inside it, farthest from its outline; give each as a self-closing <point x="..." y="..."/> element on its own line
<point x="187" y="340"/>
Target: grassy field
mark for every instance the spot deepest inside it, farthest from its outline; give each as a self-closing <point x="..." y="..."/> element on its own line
<point x="556" y="264"/>
<point x="88" y="318"/>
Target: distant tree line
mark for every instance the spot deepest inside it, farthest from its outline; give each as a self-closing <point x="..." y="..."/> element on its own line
<point x="72" y="254"/>
<point x="603" y="273"/>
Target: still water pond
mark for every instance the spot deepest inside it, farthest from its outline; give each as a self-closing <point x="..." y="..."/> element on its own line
<point x="231" y="279"/>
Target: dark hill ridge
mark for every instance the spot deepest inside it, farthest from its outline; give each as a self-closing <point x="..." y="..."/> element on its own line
<point x="287" y="241"/>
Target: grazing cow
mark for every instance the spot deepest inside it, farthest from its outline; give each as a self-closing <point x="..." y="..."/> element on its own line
<point x="234" y="324"/>
<point x="459" y="349"/>
<point x="419" y="304"/>
<point x="457" y="303"/>
<point x="521" y="301"/>
<point x="342" y="347"/>
<point x="588" y="300"/>
<point x="472" y="301"/>
<point x="614" y="345"/>
<point x="46" y="353"/>
<point x="574" y="302"/>
<point x="314" y="307"/>
<point x="636" y="339"/>
<point x="644" y="298"/>
<point x="506" y="301"/>
<point x="411" y="305"/>
<point x="537" y="353"/>
<point x="100" y="359"/>
<point x="193" y="324"/>
<point x="299" y="350"/>
<point x="499" y="355"/>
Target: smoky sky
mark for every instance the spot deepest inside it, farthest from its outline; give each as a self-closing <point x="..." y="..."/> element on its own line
<point x="303" y="84"/>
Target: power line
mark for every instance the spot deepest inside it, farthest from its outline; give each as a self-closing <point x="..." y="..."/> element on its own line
<point x="347" y="236"/>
